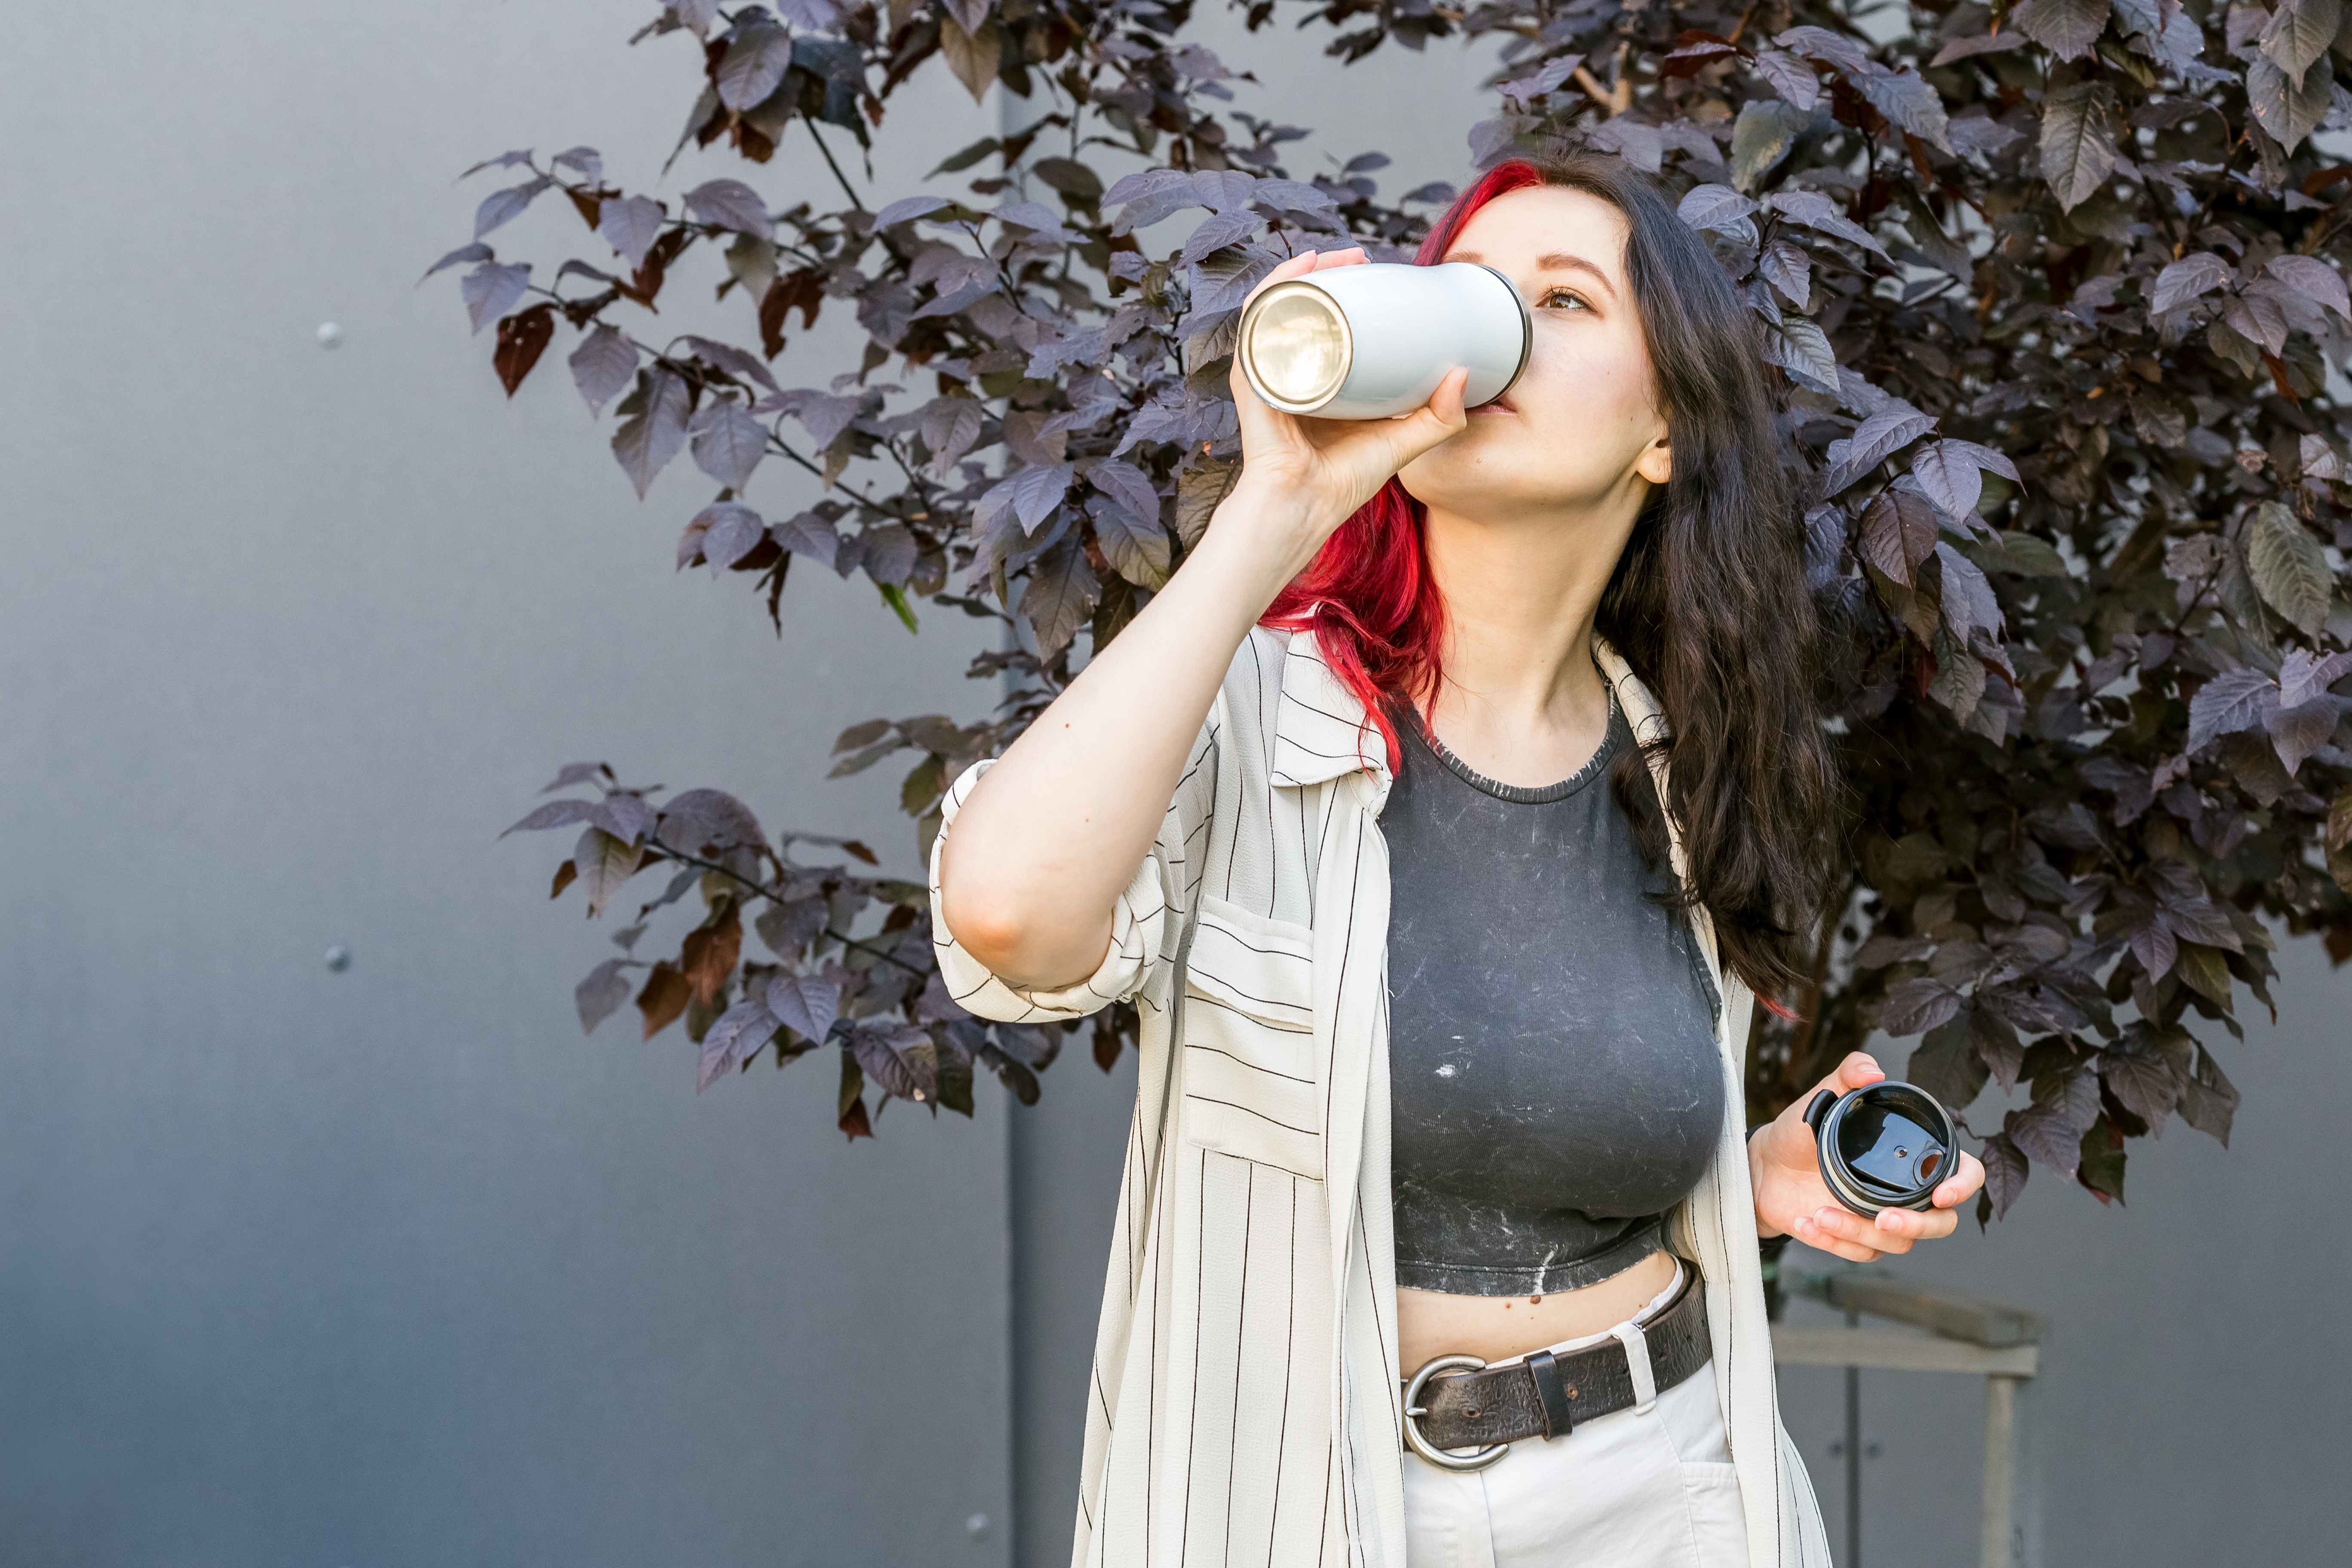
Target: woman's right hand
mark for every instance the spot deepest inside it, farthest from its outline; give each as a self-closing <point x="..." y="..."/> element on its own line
<point x="1322" y="470"/>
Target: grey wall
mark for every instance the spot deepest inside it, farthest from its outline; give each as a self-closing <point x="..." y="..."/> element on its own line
<point x="391" y="1266"/>
<point x="2188" y="1411"/>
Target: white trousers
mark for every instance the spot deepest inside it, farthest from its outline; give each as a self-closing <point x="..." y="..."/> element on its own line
<point x="1648" y="1487"/>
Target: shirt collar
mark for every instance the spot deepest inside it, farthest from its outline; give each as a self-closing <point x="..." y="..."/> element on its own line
<point x="1321" y="731"/>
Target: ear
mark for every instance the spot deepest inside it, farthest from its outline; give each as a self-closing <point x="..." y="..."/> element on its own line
<point x="1656" y="463"/>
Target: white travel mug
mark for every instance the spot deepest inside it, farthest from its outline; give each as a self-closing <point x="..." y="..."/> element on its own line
<point x="1374" y="338"/>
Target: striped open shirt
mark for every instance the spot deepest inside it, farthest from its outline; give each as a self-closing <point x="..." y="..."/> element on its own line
<point x="1246" y="1408"/>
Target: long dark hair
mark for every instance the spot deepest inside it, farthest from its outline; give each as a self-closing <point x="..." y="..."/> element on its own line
<point x="1708" y="603"/>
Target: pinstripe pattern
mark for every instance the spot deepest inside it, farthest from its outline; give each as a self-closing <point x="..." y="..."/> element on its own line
<point x="1245" y="1405"/>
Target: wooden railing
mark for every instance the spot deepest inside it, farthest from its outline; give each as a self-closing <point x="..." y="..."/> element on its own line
<point x="1990" y="1339"/>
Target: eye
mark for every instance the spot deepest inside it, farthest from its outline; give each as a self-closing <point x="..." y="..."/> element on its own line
<point x="1559" y="293"/>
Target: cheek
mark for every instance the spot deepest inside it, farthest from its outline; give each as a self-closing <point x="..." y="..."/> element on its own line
<point x="1589" y="392"/>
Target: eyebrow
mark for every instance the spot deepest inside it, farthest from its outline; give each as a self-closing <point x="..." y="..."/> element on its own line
<point x="1558" y="261"/>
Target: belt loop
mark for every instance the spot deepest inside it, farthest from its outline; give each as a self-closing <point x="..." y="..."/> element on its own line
<point x="1560" y="1414"/>
<point x="1637" y="1362"/>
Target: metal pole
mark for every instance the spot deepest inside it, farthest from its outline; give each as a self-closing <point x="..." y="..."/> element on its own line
<point x="1853" y="1455"/>
<point x="2000" y="1469"/>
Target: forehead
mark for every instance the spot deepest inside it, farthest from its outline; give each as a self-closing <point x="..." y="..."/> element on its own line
<point x="1516" y="231"/>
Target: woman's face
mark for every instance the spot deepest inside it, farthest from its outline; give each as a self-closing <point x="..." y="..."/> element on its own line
<point x="1581" y="429"/>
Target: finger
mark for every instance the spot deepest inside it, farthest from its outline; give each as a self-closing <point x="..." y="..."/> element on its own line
<point x="1441" y="417"/>
<point x="1895" y="1229"/>
<point x="1352" y="256"/>
<point x="1825" y="1239"/>
<point x="1860" y="1068"/>
<point x="1288" y="266"/>
<point x="1962" y="1183"/>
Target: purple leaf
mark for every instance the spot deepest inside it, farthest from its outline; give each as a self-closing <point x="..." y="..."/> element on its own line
<point x="464" y="253"/>
<point x="754" y="63"/>
<point x="2232" y="701"/>
<point x="1915" y="1007"/>
<point x="730" y="204"/>
<point x="1216" y="232"/>
<point x="813" y="15"/>
<point x="741" y="1030"/>
<point x="730" y="444"/>
<point x="1149" y="195"/>
<point x="2313" y="279"/>
<point x="2051" y="1130"/>
<point x="490" y="290"/>
<point x="1951" y="474"/>
<point x="703" y="819"/>
<point x="2302" y="679"/>
<point x="576" y="265"/>
<point x="888" y="553"/>
<point x="554" y="814"/>
<point x="601" y="366"/>
<point x="1037" y="490"/>
<point x="1137" y="549"/>
<point x="731" y="533"/>
<point x="788" y="929"/>
<point x="805" y="1004"/>
<point x="498" y="206"/>
<point x="1969" y="602"/>
<point x="1062" y="593"/>
<point x="1816" y="211"/>
<point x="894" y="1059"/>
<point x="630" y="226"/>
<point x="601" y="993"/>
<point x="1875" y="439"/>
<point x="626" y="817"/>
<point x="2183" y="280"/>
<point x="2297" y="732"/>
<point x="591" y="165"/>
<point x="811" y="535"/>
<point x="1128" y="484"/>
<point x="2005" y="1172"/>
<point x="822" y="415"/>
<point x="503" y="160"/>
<point x="907" y="207"/>
<point x="649" y="438"/>
<point x="735" y="361"/>
<point x="1714" y="206"/>
<point x="1803" y="349"/>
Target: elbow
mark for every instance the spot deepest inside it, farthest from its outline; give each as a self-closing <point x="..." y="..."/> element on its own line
<point x="986" y="928"/>
<point x="980" y="916"/>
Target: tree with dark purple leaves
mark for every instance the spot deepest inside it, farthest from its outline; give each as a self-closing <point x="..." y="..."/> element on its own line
<point x="2054" y="291"/>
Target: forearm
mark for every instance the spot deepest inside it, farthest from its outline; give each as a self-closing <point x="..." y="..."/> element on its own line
<point x="1765" y="1229"/>
<point x="1053" y="831"/>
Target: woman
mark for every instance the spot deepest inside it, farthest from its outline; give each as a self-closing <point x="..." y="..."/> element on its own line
<point x="1444" y="1017"/>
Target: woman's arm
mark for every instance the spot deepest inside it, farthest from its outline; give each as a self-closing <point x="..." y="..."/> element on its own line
<point x="1054" y="829"/>
<point x="1053" y="832"/>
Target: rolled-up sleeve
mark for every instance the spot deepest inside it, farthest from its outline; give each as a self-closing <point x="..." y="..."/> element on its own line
<point x="1139" y="928"/>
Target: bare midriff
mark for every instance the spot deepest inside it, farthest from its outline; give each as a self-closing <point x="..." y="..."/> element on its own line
<point x="1493" y="1328"/>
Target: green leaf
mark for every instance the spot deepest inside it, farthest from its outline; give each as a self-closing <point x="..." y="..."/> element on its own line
<point x="895" y="597"/>
<point x="2290" y="570"/>
<point x="2101" y="1161"/>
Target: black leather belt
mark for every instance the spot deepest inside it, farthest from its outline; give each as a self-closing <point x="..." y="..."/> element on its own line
<point x="1544" y="1394"/>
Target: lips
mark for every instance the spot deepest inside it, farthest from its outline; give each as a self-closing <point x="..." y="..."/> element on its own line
<point x="1504" y="403"/>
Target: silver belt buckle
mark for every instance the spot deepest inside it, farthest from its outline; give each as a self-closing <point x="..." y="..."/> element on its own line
<point x="1445" y="1459"/>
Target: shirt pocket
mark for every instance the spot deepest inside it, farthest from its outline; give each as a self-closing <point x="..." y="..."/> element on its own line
<point x="1252" y="1080"/>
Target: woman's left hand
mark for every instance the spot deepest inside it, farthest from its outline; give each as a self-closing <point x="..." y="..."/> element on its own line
<point x="1791" y="1197"/>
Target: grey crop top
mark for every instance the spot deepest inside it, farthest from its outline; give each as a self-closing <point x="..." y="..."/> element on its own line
<point x="1555" y="1082"/>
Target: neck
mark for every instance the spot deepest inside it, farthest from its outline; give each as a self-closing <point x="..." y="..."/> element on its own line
<point x="1520" y="597"/>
